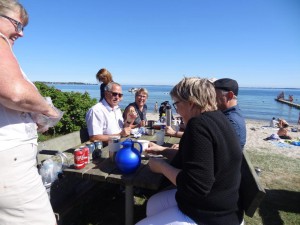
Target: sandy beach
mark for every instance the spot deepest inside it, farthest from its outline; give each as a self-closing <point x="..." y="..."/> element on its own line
<point x="257" y="131"/>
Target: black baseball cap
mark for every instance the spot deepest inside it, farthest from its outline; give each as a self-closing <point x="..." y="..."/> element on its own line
<point x="227" y="84"/>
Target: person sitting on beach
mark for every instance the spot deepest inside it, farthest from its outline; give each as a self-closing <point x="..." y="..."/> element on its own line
<point x="282" y="123"/>
<point x="105" y="118"/>
<point x="283" y="133"/>
<point x="274" y="123"/>
<point x="103" y="76"/>
<point x="227" y="92"/>
<point x="138" y="108"/>
<point x="198" y="169"/>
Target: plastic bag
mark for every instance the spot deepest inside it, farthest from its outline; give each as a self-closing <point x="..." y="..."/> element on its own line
<point x="44" y="122"/>
<point x="50" y="169"/>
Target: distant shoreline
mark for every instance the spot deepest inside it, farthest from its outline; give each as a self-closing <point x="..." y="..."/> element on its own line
<point x="83" y="83"/>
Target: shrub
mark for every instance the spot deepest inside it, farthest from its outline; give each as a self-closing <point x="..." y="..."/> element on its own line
<point x="73" y="104"/>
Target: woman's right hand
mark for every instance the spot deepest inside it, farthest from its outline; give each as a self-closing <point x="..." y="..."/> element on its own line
<point x="154" y="148"/>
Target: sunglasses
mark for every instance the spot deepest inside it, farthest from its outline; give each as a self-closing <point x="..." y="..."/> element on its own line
<point x="18" y="25"/>
<point x="115" y="94"/>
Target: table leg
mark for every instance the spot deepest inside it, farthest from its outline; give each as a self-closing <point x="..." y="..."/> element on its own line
<point x="129" y="203"/>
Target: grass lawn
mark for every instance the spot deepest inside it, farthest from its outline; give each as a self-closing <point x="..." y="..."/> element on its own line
<point x="104" y="204"/>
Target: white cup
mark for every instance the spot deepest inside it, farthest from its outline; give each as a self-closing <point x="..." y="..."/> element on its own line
<point x="114" y="146"/>
<point x="144" y="144"/>
<point x="160" y="137"/>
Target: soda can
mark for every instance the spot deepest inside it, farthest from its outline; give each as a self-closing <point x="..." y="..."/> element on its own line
<point x="78" y="159"/>
<point x="98" y="146"/>
<point x="86" y="154"/>
<point x="91" y="147"/>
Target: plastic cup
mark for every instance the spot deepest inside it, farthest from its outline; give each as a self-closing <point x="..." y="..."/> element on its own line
<point x="114" y="146"/>
<point x="144" y="143"/>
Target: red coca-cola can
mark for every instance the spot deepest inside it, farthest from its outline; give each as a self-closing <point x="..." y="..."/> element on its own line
<point x="86" y="154"/>
<point x="79" y="159"/>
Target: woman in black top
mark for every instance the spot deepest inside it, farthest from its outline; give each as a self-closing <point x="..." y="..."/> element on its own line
<point x="205" y="169"/>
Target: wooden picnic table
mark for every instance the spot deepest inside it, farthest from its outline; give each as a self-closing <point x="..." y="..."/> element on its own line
<point x="104" y="170"/>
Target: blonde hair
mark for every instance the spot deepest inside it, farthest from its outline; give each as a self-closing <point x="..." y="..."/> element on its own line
<point x="141" y="90"/>
<point x="14" y="5"/>
<point x="105" y="73"/>
<point x="199" y="91"/>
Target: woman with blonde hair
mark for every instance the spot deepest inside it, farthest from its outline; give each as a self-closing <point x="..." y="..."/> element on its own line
<point x="104" y="77"/>
<point x="206" y="169"/>
<point x="23" y="197"/>
<point x="135" y="113"/>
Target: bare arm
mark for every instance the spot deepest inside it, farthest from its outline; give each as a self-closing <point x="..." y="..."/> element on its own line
<point x="106" y="137"/>
<point x="15" y="91"/>
<point x="161" y="166"/>
<point x="169" y="153"/>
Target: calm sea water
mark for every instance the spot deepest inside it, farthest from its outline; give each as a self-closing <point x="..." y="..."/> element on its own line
<point x="256" y="103"/>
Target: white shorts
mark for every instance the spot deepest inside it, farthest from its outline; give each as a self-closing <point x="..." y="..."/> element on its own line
<point x="23" y="198"/>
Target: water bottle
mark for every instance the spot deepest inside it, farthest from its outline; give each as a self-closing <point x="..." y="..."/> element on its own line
<point x="169" y="115"/>
<point x="160" y="135"/>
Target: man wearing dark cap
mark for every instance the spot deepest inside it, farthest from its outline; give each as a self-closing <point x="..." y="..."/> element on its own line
<point x="227" y="91"/>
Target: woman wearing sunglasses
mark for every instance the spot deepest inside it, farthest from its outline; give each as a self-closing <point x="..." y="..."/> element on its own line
<point x="23" y="198"/>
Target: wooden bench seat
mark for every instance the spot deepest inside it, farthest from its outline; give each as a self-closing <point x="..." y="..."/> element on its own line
<point x="251" y="191"/>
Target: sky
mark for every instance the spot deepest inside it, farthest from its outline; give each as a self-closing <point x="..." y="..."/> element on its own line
<point x="152" y="42"/>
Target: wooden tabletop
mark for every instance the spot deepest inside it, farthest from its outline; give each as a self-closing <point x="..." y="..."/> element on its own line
<point x="106" y="171"/>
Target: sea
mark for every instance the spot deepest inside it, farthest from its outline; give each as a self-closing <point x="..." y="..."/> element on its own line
<point x="255" y="103"/>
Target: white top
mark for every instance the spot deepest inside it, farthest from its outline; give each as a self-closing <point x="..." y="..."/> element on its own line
<point x="102" y="119"/>
<point x="16" y="128"/>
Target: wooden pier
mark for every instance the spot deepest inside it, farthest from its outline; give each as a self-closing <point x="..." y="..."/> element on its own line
<point x="288" y="103"/>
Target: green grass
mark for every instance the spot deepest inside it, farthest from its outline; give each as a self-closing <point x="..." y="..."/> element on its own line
<point x="280" y="176"/>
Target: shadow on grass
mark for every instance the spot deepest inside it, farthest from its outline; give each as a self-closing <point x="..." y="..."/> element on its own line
<point x="278" y="200"/>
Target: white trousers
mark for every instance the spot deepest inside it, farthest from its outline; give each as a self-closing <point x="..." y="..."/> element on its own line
<point x="23" y="198"/>
<point x="162" y="209"/>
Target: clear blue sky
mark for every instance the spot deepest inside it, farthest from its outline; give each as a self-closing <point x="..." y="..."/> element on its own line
<point x="256" y="42"/>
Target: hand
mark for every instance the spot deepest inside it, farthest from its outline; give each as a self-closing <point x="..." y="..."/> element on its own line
<point x="125" y="132"/>
<point x="154" y="149"/>
<point x="131" y="115"/>
<point x="175" y="146"/>
<point x="42" y="128"/>
<point x="156" y="165"/>
<point x="170" y="131"/>
<point x="143" y="123"/>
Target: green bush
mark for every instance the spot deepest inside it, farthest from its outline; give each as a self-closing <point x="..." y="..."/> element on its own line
<point x="73" y="104"/>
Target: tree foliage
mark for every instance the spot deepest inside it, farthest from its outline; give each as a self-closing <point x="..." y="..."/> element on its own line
<point x="73" y="104"/>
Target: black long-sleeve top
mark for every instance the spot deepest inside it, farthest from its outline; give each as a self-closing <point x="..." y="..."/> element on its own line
<point x="210" y="157"/>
